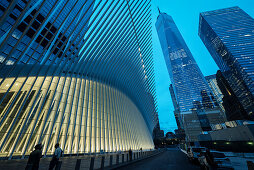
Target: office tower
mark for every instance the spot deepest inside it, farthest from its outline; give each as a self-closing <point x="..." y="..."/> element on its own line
<point x="233" y="108"/>
<point x="188" y="83"/>
<point x="75" y="72"/>
<point x="228" y="35"/>
<point x="217" y="94"/>
<point x="187" y="80"/>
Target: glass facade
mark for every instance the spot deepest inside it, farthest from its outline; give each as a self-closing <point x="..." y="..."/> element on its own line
<point x="233" y="108"/>
<point x="189" y="85"/>
<point x="176" y="107"/>
<point x="212" y="82"/>
<point x="229" y="37"/>
<point x="76" y="72"/>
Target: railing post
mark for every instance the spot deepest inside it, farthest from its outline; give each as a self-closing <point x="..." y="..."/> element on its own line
<point x="102" y="162"/>
<point x="92" y="163"/>
<point x="122" y="158"/>
<point x="110" y="160"/>
<point x="117" y="159"/>
<point x="77" y="166"/>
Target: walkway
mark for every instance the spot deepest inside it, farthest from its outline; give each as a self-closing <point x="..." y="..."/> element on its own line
<point x="172" y="159"/>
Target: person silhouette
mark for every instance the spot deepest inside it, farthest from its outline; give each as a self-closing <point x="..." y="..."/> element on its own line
<point x="34" y="158"/>
<point x="55" y="159"/>
<point x="130" y="154"/>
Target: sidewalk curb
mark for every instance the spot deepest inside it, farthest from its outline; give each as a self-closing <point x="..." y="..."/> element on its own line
<point x="132" y="162"/>
<point x="183" y="151"/>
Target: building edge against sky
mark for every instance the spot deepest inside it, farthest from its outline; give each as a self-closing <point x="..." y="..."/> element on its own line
<point x="76" y="72"/>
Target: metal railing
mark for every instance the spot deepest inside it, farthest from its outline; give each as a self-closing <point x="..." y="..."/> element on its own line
<point x="91" y="162"/>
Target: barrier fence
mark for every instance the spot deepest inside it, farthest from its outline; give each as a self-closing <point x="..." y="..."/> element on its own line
<point x="91" y="162"/>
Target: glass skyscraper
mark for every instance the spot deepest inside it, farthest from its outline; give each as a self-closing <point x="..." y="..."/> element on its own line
<point x="192" y="97"/>
<point x="229" y="37"/>
<point x="189" y="85"/>
<point x="75" y="72"/>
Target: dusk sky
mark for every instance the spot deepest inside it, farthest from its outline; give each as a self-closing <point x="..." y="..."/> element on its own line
<point x="186" y="16"/>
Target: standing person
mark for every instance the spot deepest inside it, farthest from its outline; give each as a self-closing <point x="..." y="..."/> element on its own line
<point x="55" y="159"/>
<point x="130" y="154"/>
<point x="34" y="158"/>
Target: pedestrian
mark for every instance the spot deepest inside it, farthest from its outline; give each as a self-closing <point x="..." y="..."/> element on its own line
<point x="130" y="154"/>
<point x="55" y="159"/>
<point x="34" y="158"/>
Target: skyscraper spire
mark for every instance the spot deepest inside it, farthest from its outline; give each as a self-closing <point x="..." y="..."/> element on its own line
<point x="159" y="10"/>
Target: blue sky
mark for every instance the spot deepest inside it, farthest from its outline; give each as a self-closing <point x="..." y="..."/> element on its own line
<point x="186" y="16"/>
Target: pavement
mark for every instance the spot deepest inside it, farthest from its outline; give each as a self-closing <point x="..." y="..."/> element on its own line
<point x="239" y="160"/>
<point x="172" y="159"/>
<point x="240" y="163"/>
